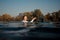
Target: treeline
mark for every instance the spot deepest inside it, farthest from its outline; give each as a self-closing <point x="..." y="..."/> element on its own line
<point x="54" y="17"/>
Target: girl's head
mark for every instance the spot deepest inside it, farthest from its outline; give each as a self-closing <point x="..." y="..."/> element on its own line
<point x="25" y="18"/>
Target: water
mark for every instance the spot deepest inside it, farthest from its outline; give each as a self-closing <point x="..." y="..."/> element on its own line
<point x="21" y="31"/>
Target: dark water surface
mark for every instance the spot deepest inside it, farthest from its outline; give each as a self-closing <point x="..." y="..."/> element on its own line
<point x="19" y="31"/>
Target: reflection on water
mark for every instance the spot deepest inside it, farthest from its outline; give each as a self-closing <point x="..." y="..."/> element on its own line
<point x="21" y="24"/>
<point x="19" y="30"/>
<point x="18" y="24"/>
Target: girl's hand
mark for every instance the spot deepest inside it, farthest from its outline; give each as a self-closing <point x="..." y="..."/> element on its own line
<point x="34" y="18"/>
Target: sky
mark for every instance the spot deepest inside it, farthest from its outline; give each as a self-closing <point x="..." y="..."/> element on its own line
<point x="14" y="7"/>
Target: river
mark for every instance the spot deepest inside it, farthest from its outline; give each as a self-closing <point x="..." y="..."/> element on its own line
<point x="28" y="31"/>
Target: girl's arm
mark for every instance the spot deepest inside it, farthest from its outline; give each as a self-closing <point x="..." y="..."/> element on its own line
<point x="33" y="19"/>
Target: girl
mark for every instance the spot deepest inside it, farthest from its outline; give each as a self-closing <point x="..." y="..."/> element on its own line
<point x="25" y="18"/>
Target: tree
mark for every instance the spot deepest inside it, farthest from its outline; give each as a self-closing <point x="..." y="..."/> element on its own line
<point x="17" y="18"/>
<point x="1" y="18"/>
<point x="47" y="17"/>
<point x="12" y="19"/>
<point x="59" y="15"/>
<point x="37" y="13"/>
<point x="29" y="15"/>
<point x="6" y="17"/>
